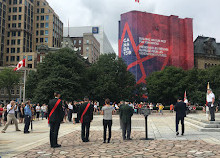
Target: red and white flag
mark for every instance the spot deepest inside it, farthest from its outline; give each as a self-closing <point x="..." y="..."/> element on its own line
<point x="185" y="98"/>
<point x="20" y="65"/>
<point x="137" y="1"/>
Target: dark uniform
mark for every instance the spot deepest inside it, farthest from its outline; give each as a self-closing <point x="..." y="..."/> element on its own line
<point x="87" y="119"/>
<point x="180" y="109"/>
<point x="126" y="112"/>
<point x="55" y="119"/>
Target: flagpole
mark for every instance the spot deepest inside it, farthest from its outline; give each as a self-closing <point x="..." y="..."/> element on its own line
<point x="24" y="85"/>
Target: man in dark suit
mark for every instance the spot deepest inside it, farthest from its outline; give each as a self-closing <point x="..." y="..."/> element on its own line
<point x="126" y="112"/>
<point x="56" y="114"/>
<point x="86" y="117"/>
<point x="180" y="109"/>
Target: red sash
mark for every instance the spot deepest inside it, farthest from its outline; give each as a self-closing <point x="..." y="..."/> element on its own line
<point x="54" y="108"/>
<point x="84" y="112"/>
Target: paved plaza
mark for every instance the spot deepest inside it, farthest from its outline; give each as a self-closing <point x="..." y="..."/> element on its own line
<point x="161" y="128"/>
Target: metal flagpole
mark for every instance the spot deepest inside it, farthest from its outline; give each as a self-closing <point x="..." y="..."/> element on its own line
<point x="24" y="85"/>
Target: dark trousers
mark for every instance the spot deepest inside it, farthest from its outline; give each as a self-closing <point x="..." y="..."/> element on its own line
<point x="27" y="120"/>
<point x="107" y="123"/>
<point x="126" y="128"/>
<point x="212" y="111"/>
<point x="70" y="114"/>
<point x="54" y="129"/>
<point x="85" y="131"/>
<point x="178" y="119"/>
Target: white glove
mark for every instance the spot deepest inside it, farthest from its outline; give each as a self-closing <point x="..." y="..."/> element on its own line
<point x="212" y="105"/>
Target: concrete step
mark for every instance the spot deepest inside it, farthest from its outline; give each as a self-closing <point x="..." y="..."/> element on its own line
<point x="202" y="124"/>
<point x="202" y="129"/>
<point x="203" y="120"/>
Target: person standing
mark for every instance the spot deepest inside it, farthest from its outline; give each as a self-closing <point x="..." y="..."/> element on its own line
<point x="11" y="116"/>
<point x="171" y="108"/>
<point x="38" y="111"/>
<point x="211" y="100"/>
<point x="27" y="117"/>
<point x="107" y="112"/>
<point x="56" y="114"/>
<point x="180" y="109"/>
<point x="70" y="113"/>
<point x="86" y="117"/>
<point x="126" y="112"/>
<point x="161" y="109"/>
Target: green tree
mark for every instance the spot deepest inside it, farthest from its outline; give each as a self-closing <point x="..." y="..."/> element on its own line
<point x="109" y="78"/>
<point x="9" y="79"/>
<point x="61" y="71"/>
<point x="165" y="86"/>
<point x="31" y="84"/>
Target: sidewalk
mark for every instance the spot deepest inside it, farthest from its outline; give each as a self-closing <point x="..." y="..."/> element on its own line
<point x="161" y="128"/>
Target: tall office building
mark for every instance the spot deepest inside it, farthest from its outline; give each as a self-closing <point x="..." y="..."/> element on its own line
<point x="26" y="25"/>
<point x="98" y="33"/>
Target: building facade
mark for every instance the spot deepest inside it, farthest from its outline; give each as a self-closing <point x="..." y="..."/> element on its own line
<point x="149" y="42"/>
<point x="207" y="52"/>
<point x="28" y="24"/>
<point x="98" y="33"/>
<point x="87" y="46"/>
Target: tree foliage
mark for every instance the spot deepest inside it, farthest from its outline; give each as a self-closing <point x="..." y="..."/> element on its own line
<point x="109" y="78"/>
<point x="9" y="79"/>
<point x="167" y="85"/>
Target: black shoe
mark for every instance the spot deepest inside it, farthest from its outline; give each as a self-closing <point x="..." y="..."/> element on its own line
<point x="177" y="133"/>
<point x="108" y="140"/>
<point x="182" y="134"/>
<point x="104" y="141"/>
<point x="26" y="132"/>
<point x="56" y="146"/>
<point x="129" y="139"/>
<point x="18" y="130"/>
<point x="87" y="140"/>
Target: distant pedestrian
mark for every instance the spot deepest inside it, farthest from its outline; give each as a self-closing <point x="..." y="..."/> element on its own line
<point x="126" y="112"/>
<point x="180" y="109"/>
<point x="38" y="111"/>
<point x="55" y="117"/>
<point x="211" y="100"/>
<point x="27" y="117"/>
<point x="161" y="109"/>
<point x="70" y="111"/>
<point x="86" y="117"/>
<point x="107" y="112"/>
<point x="22" y="113"/>
<point x="171" y="108"/>
<point x="11" y="116"/>
<point x="1" y="114"/>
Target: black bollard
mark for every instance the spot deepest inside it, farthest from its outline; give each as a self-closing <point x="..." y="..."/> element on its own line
<point x="146" y="128"/>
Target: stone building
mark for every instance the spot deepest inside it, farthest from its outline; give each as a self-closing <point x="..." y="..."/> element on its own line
<point x="26" y="24"/>
<point x="206" y="52"/>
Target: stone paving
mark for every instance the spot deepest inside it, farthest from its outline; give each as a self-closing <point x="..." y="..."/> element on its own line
<point x="161" y="128"/>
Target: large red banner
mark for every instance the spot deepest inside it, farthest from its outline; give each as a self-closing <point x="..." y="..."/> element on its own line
<point x="149" y="42"/>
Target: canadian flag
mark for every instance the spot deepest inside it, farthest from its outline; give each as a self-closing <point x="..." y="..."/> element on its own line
<point x="20" y="65"/>
<point x="137" y="1"/>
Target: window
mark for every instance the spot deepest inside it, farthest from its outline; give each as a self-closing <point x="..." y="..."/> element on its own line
<point x="38" y="3"/>
<point x="14" y="17"/>
<point x="20" y="9"/>
<point x="37" y="25"/>
<point x="12" y="42"/>
<point x="18" y="50"/>
<point x="41" y="32"/>
<point x="8" y="42"/>
<point x="37" y="33"/>
<point x="46" y="25"/>
<point x="38" y="18"/>
<point x="38" y="10"/>
<point x="19" y="25"/>
<point x="42" y="25"/>
<point x="12" y="50"/>
<point x="80" y="41"/>
<point x="29" y="65"/>
<point x="14" y="9"/>
<point x="18" y="91"/>
<point x="87" y="48"/>
<point x="36" y="40"/>
<point x="18" y="58"/>
<point x="19" y="33"/>
<point x="15" y="1"/>
<point x="20" y="1"/>
<point x="42" y="10"/>
<point x="87" y="41"/>
<point x="29" y="57"/>
<point x="6" y="58"/>
<point x="42" y="17"/>
<point x="14" y="25"/>
<point x="7" y="50"/>
<point x="12" y="58"/>
<point x="9" y="18"/>
<point x="18" y="42"/>
<point x="46" y="32"/>
<point x="19" y="17"/>
<point x="8" y="34"/>
<point x="9" y="10"/>
<point x="80" y="48"/>
<point x="46" y="40"/>
<point x="41" y="40"/>
<point x="47" y="17"/>
<point x="13" y="34"/>
<point x="12" y="91"/>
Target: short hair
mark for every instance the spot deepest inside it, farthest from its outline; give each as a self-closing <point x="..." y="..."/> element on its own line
<point x="107" y="101"/>
<point x="86" y="98"/>
<point x="56" y="93"/>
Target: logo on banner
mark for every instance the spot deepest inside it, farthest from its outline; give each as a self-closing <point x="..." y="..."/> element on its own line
<point x="126" y="47"/>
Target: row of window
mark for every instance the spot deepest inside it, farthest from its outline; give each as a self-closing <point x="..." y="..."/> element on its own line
<point x="42" y="25"/>
<point x="12" y="91"/>
<point x="14" y="17"/>
<point x="42" y="32"/>
<point x="13" y="42"/>
<point x="42" y="40"/>
<point x="12" y="58"/>
<point x="15" y="2"/>
<point x="209" y="65"/>
<point x="14" y="33"/>
<point x="42" y="17"/>
<point x="15" y="9"/>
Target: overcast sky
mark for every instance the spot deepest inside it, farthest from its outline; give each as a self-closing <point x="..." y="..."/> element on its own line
<point x="205" y="13"/>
